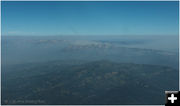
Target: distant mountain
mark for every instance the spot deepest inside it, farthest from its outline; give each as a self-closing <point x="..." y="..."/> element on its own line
<point x="17" y="50"/>
<point x="98" y="82"/>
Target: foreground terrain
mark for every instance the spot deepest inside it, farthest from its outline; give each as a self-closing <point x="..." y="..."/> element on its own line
<point x="98" y="82"/>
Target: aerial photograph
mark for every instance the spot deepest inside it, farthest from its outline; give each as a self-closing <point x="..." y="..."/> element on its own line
<point x="89" y="52"/>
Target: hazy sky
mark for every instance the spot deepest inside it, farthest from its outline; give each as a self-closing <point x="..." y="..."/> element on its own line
<point x="90" y="18"/>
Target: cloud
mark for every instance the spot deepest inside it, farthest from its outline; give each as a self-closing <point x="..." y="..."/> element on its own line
<point x="14" y="32"/>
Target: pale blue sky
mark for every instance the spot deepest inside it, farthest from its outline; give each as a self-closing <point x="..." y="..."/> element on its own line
<point x="90" y="18"/>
